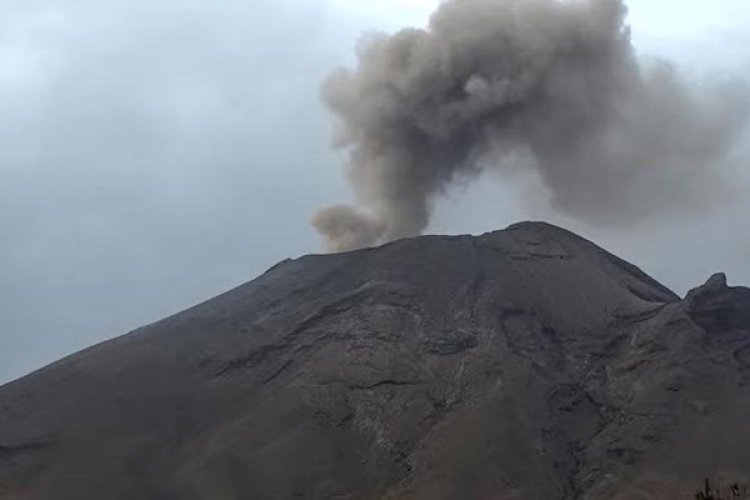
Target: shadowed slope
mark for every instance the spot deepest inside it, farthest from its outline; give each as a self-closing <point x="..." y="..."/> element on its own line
<point x="525" y="363"/>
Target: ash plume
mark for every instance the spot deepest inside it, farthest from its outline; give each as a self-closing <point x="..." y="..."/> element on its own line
<point x="611" y="138"/>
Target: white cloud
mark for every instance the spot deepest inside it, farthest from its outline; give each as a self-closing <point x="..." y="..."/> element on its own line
<point x="386" y="14"/>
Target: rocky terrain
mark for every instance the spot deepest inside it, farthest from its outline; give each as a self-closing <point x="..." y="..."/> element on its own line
<point x="523" y="364"/>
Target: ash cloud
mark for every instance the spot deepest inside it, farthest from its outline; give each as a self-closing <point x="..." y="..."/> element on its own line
<point x="347" y="227"/>
<point x="612" y="139"/>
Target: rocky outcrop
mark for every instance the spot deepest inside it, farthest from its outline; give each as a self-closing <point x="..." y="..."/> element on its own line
<point x="526" y="363"/>
<point x="719" y="308"/>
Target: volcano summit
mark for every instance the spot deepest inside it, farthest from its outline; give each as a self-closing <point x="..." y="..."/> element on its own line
<point x="526" y="363"/>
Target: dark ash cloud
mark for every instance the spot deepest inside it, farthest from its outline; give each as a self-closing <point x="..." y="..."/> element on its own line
<point x="553" y="86"/>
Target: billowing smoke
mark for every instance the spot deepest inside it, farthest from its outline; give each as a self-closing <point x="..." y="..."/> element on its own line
<point x="556" y="82"/>
<point x="347" y="228"/>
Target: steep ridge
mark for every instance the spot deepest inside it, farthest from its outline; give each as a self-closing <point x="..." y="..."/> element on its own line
<point x="525" y="363"/>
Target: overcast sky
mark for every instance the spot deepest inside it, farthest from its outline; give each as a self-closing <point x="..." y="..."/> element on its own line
<point x="156" y="153"/>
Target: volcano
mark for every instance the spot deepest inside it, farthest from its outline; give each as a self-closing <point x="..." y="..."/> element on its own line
<point x="526" y="363"/>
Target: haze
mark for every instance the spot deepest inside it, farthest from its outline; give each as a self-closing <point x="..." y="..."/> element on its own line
<point x="155" y="154"/>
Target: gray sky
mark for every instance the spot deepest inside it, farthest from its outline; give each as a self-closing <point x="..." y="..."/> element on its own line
<point x="156" y="153"/>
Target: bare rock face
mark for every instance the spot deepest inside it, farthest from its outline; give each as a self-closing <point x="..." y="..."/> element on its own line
<point x="526" y="363"/>
<point x="719" y="308"/>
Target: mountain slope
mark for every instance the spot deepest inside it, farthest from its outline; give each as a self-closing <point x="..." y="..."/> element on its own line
<point x="526" y="363"/>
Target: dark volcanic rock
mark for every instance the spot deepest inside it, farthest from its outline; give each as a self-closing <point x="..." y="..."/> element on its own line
<point x="526" y="363"/>
<point x="717" y="307"/>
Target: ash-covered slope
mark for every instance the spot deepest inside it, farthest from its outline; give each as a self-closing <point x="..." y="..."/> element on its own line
<point x="526" y="363"/>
